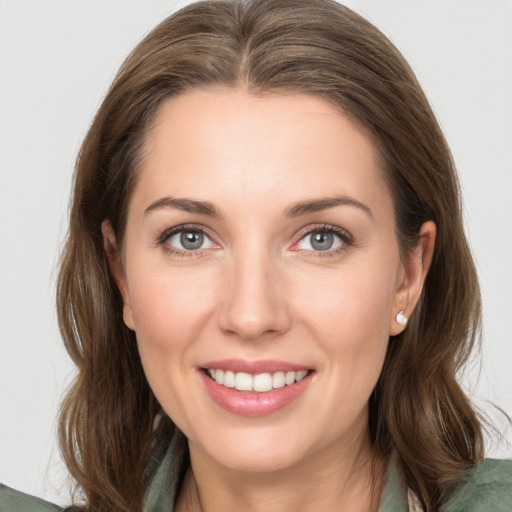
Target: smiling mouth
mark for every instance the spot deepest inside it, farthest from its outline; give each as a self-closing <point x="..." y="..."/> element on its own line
<point x="258" y="383"/>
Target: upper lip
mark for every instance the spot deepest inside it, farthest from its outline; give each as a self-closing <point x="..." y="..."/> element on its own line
<point x="254" y="367"/>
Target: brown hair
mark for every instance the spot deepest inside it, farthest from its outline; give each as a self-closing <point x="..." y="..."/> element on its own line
<point x="110" y="421"/>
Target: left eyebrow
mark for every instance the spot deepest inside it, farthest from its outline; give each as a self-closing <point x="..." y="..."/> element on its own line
<point x="316" y="205"/>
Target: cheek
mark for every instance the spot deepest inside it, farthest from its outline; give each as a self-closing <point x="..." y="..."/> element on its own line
<point x="349" y="316"/>
<point x="169" y="310"/>
<point x="353" y="304"/>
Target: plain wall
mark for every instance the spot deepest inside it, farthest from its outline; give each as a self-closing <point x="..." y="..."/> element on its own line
<point x="57" y="59"/>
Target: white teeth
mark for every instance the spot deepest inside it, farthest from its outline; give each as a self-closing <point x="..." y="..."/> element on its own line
<point x="229" y="379"/>
<point x="300" y="375"/>
<point x="243" y="381"/>
<point x="289" y="378"/>
<point x="278" y="380"/>
<point x="260" y="383"/>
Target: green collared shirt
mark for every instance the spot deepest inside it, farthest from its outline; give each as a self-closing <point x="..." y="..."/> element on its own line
<point x="487" y="488"/>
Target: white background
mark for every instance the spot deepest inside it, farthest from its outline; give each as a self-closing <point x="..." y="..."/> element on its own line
<point x="57" y="58"/>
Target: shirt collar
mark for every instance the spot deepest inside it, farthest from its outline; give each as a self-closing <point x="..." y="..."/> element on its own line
<point x="394" y="491"/>
<point x="168" y="476"/>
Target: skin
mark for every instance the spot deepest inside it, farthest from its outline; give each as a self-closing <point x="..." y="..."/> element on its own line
<point x="257" y="289"/>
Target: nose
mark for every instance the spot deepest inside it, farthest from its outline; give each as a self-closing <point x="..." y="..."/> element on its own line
<point x="254" y="303"/>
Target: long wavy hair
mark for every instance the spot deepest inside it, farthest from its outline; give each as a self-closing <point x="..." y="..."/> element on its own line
<point x="110" y="421"/>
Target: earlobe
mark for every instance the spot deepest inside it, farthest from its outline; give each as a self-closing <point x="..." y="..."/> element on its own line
<point x="415" y="272"/>
<point x="128" y="317"/>
<point x="116" y="268"/>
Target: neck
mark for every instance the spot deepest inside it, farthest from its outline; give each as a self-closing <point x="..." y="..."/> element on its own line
<point x="331" y="480"/>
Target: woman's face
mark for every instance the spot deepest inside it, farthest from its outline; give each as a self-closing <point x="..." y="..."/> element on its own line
<point x="260" y="248"/>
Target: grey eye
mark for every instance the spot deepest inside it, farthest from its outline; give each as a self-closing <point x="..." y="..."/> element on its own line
<point x="320" y="241"/>
<point x="190" y="240"/>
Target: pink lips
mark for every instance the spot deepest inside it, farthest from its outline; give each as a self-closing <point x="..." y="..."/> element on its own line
<point x="254" y="367"/>
<point x="246" y="403"/>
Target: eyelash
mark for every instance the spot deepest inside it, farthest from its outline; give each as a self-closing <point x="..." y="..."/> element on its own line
<point x="168" y="233"/>
<point x="345" y="237"/>
<point x="346" y="240"/>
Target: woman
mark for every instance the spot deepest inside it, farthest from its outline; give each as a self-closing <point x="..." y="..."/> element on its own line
<point x="266" y="287"/>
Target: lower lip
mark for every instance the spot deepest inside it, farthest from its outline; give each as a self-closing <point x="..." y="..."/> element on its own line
<point x="247" y="403"/>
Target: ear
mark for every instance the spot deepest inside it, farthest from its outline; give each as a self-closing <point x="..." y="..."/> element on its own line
<point x="117" y="270"/>
<point x="413" y="277"/>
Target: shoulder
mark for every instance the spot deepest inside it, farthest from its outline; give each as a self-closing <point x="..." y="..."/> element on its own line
<point x="488" y="487"/>
<point x="15" y="501"/>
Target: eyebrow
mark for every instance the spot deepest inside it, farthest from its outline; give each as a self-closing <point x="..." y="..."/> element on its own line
<point x="316" y="205"/>
<point x="301" y="208"/>
<point x="187" y="205"/>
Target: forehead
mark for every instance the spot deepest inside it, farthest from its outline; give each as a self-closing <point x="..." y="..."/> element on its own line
<point x="240" y="145"/>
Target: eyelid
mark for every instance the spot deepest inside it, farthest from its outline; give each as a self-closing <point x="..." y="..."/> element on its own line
<point x="346" y="238"/>
<point x="169" y="232"/>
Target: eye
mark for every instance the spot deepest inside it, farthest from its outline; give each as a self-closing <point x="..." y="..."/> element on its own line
<point x="188" y="240"/>
<point x="323" y="239"/>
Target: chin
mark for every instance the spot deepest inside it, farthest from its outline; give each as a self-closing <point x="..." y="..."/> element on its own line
<point x="256" y="451"/>
<point x="259" y="461"/>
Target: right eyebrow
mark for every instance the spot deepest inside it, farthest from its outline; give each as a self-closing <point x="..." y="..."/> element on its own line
<point x="187" y="205"/>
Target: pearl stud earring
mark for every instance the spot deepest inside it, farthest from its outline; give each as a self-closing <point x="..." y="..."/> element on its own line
<point x="401" y="319"/>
